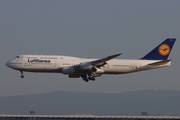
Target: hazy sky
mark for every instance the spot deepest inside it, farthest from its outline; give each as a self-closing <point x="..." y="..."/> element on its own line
<point x="87" y="28"/>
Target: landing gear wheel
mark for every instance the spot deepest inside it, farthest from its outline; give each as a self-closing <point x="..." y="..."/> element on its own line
<point x="93" y="79"/>
<point x="85" y="79"/>
<point x="22" y="76"/>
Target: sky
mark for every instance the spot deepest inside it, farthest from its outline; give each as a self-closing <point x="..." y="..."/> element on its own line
<point x="87" y="28"/>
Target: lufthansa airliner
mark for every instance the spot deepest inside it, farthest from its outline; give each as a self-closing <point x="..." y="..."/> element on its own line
<point x="89" y="69"/>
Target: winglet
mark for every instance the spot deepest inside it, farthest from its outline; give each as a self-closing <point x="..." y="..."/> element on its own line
<point x="162" y="51"/>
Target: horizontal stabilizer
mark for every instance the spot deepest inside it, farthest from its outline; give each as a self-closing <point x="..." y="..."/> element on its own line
<point x="160" y="62"/>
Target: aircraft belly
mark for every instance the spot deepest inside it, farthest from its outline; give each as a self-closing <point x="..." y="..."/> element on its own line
<point x="41" y="70"/>
<point x="117" y="70"/>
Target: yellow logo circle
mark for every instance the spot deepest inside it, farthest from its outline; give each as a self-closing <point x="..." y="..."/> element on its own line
<point x="164" y="49"/>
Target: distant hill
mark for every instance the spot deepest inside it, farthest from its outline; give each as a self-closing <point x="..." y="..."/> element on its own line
<point x="155" y="102"/>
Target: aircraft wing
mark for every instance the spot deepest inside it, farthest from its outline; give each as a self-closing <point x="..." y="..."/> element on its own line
<point x="102" y="61"/>
<point x="94" y="64"/>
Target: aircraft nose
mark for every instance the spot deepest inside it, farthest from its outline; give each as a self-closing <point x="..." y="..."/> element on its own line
<point x="8" y="64"/>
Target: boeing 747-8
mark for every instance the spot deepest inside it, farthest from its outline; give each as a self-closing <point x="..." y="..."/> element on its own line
<point x="89" y="69"/>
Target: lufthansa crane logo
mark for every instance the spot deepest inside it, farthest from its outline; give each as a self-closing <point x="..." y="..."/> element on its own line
<point x="164" y="49"/>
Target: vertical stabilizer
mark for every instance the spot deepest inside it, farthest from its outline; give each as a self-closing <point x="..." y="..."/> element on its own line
<point x="162" y="51"/>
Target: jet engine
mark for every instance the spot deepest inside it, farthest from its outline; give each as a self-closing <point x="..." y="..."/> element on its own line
<point x="74" y="75"/>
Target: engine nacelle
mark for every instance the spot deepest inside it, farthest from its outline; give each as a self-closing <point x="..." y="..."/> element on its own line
<point x="85" y="66"/>
<point x="68" y="70"/>
<point x="74" y="75"/>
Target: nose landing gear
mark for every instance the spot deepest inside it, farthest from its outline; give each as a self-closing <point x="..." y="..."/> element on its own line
<point x="22" y="76"/>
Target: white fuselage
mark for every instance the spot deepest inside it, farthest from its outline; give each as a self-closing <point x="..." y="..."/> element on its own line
<point x="55" y="64"/>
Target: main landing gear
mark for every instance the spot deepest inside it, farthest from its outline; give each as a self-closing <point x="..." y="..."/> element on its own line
<point x="84" y="77"/>
<point x="87" y="77"/>
<point x="22" y="76"/>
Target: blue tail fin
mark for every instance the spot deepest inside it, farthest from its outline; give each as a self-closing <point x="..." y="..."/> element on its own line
<point x="162" y="51"/>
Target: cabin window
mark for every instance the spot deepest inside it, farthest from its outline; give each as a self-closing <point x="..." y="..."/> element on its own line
<point x="32" y="57"/>
<point x="48" y="58"/>
<point x="66" y="64"/>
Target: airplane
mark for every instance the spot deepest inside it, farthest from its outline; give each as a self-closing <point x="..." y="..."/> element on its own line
<point x="88" y="69"/>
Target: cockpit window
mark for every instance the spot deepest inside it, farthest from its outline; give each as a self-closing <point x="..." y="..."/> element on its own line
<point x="17" y="56"/>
